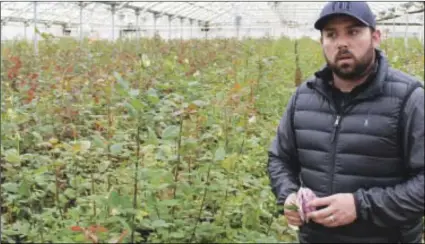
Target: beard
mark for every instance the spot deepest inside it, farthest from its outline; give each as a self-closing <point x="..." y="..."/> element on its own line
<point x="354" y="70"/>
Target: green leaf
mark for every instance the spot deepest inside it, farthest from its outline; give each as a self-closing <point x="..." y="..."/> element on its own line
<point x="121" y="220"/>
<point x="152" y="92"/>
<point x="104" y="166"/>
<point x="41" y="170"/>
<point x="116" y="148"/>
<point x="121" y="81"/>
<point x="97" y="141"/>
<point x="292" y="207"/>
<point x="12" y="156"/>
<point x="199" y="103"/>
<point x="10" y="187"/>
<point x="178" y="235"/>
<point x="170" y="202"/>
<point x="121" y="91"/>
<point x="81" y="146"/>
<point x="230" y="162"/>
<point x="191" y="143"/>
<point x="24" y="189"/>
<point x="126" y="202"/>
<point x="52" y="187"/>
<point x="114" y="199"/>
<point x="159" y="223"/>
<point x="169" y="64"/>
<point x="171" y="132"/>
<point x="37" y="137"/>
<point x="131" y="110"/>
<point x="134" y="93"/>
<point x="152" y="96"/>
<point x="152" y="138"/>
<point x="220" y="153"/>
<point x="85" y="145"/>
<point x="145" y="60"/>
<point x="136" y="104"/>
<point x="70" y="193"/>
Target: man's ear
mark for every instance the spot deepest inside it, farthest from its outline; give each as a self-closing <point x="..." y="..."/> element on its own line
<point x="376" y="38"/>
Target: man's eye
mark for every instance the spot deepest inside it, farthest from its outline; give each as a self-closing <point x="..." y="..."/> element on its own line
<point x="353" y="32"/>
<point x="330" y="35"/>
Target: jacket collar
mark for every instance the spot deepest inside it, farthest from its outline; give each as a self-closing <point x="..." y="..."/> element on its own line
<point x="323" y="78"/>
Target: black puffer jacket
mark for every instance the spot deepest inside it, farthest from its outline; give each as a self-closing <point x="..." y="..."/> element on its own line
<point x="373" y="147"/>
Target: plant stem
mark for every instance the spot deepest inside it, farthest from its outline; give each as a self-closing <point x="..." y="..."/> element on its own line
<point x="228" y="180"/>
<point x="108" y="144"/>
<point x="270" y="225"/>
<point x="108" y="179"/>
<point x="57" y="192"/>
<point x="202" y="203"/>
<point x="190" y="166"/>
<point x="176" y="167"/>
<point x="92" y="192"/>
<point x="136" y="165"/>
<point x="226" y="133"/>
<point x="176" y="171"/>
<point x="260" y="75"/>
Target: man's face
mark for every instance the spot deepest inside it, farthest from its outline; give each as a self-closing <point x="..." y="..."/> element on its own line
<point x="348" y="46"/>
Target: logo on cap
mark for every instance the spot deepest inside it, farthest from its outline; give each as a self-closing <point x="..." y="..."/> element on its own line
<point x="341" y="5"/>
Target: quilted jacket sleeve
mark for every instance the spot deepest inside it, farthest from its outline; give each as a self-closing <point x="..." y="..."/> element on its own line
<point x="392" y="206"/>
<point x="282" y="160"/>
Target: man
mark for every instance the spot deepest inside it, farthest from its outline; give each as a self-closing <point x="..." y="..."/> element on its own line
<point x="354" y="134"/>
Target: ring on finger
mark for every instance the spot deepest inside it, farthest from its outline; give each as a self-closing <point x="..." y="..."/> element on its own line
<point x="332" y="219"/>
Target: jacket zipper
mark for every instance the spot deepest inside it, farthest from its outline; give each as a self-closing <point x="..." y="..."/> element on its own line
<point x="335" y="133"/>
<point x="336" y="127"/>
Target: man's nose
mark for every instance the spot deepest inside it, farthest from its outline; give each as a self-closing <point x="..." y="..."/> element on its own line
<point x="342" y="42"/>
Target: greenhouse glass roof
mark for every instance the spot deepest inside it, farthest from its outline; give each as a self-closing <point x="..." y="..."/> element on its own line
<point x="217" y="13"/>
<point x="177" y="19"/>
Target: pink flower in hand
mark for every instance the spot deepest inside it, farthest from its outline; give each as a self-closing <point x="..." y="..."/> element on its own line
<point x="304" y="195"/>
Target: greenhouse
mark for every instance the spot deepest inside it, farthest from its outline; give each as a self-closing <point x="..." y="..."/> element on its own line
<point x="140" y="122"/>
<point x="189" y="20"/>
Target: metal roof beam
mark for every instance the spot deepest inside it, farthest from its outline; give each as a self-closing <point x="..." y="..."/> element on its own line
<point x="145" y="9"/>
<point x="179" y="10"/>
<point x="197" y="14"/>
<point x="187" y="10"/>
<point x="76" y="14"/>
<point x="40" y="21"/>
<point x="401" y="24"/>
<point x="393" y="16"/>
<point x="20" y="12"/>
<point x="165" y="9"/>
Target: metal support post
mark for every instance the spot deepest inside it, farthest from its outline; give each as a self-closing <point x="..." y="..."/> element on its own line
<point x="113" y="10"/>
<point x="35" y="37"/>
<point x="137" y="12"/>
<point x="81" y="21"/>
<point x="169" y="27"/>
<point x="191" y="28"/>
<point x="181" y="28"/>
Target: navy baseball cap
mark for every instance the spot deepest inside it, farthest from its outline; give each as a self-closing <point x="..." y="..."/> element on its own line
<point x="359" y="10"/>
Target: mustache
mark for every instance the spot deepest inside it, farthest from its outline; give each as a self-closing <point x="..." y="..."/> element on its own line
<point x="343" y="54"/>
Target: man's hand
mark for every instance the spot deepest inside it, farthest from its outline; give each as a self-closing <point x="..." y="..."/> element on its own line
<point x="340" y="210"/>
<point x="292" y="216"/>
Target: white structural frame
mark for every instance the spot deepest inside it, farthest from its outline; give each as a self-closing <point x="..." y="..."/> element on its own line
<point x="213" y="17"/>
